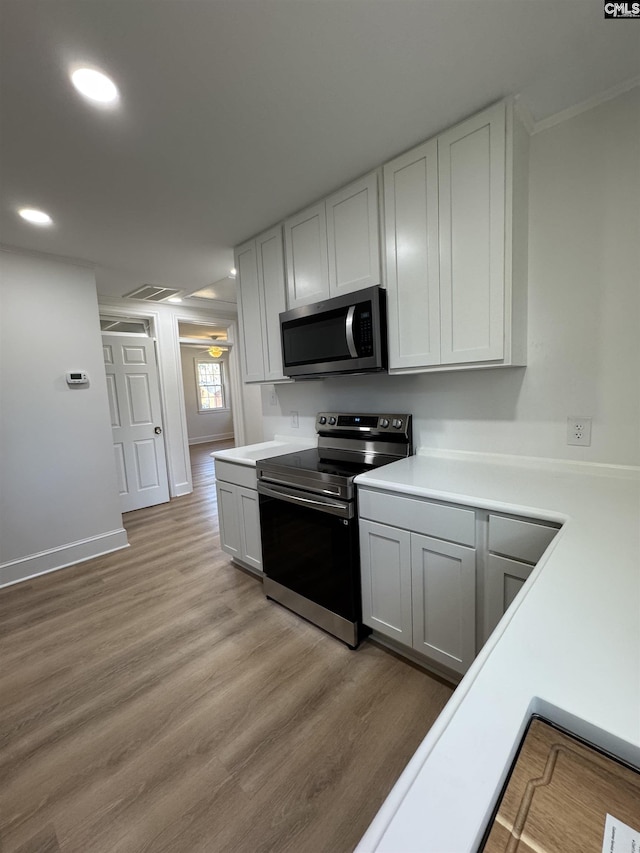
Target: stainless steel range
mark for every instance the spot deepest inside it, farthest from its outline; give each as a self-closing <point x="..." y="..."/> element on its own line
<point x="308" y="517"/>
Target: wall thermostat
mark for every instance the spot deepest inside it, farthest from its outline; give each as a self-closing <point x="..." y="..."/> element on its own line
<point x="77" y="378"/>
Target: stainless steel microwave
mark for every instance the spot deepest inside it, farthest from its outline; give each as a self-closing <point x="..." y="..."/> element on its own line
<point x="342" y="335"/>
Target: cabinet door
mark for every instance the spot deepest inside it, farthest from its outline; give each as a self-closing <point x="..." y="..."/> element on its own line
<point x="229" y="520"/>
<point x="353" y="236"/>
<point x="411" y="227"/>
<point x="444" y="594"/>
<point x="250" y="527"/>
<point x="504" y="579"/>
<point x="305" y="237"/>
<point x="249" y="307"/>
<point x="385" y="559"/>
<point x="269" y="251"/>
<point x="471" y="167"/>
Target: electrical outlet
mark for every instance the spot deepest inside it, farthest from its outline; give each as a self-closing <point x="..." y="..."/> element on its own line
<point x="273" y="399"/>
<point x="294" y="419"/>
<point x="579" y="431"/>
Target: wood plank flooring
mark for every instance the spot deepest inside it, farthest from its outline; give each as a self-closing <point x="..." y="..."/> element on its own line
<point x="202" y="470"/>
<point x="153" y="700"/>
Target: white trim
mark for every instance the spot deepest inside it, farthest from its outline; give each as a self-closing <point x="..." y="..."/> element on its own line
<point x="190" y="342"/>
<point x="236" y="400"/>
<point x="590" y="103"/>
<point x="210" y="305"/>
<point x="524" y="114"/>
<point x="204" y="439"/>
<point x="53" y="559"/>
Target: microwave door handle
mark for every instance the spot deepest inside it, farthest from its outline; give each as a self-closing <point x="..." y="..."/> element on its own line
<point x="351" y="344"/>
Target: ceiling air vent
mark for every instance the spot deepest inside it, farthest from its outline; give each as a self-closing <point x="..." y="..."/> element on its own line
<point x="152" y="293"/>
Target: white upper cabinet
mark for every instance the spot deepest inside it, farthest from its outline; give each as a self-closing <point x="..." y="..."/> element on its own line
<point x="334" y="246"/>
<point x="250" y="312"/>
<point x="471" y="172"/>
<point x="455" y="225"/>
<point x="272" y="291"/>
<point x="261" y="298"/>
<point x="305" y="236"/>
<point x="411" y="229"/>
<point x="353" y="236"/>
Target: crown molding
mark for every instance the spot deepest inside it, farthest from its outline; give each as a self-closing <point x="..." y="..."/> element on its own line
<point x="589" y="104"/>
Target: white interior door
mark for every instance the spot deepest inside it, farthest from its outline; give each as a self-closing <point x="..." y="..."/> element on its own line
<point x="136" y="422"/>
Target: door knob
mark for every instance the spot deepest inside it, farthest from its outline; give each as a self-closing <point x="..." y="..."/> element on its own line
<point x="158" y="430"/>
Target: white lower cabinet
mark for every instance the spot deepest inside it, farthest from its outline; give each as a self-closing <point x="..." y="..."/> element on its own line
<point x="514" y="546"/>
<point x="419" y="591"/>
<point x="229" y="519"/>
<point x="240" y="524"/>
<point x="385" y="558"/>
<point x="238" y="514"/>
<point x="432" y="571"/>
<point x="443" y="584"/>
<point x="504" y="578"/>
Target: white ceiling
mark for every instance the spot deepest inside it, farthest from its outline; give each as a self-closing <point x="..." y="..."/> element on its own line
<point x="235" y="113"/>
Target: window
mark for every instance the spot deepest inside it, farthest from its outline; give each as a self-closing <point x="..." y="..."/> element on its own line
<point x="210" y="385"/>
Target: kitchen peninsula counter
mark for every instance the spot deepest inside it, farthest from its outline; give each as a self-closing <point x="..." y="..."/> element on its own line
<point x="278" y="446"/>
<point x="568" y="647"/>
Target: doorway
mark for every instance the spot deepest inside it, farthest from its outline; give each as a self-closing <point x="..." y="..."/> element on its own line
<point x="208" y="396"/>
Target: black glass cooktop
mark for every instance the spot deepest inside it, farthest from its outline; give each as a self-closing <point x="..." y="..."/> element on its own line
<point x="338" y="463"/>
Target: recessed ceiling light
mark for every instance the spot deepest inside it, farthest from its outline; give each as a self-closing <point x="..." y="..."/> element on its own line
<point x="233" y="272"/>
<point x="36" y="217"/>
<point x="94" y="85"/>
<point x="174" y="299"/>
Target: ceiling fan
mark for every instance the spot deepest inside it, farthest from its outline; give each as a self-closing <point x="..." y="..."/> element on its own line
<point x="214" y="349"/>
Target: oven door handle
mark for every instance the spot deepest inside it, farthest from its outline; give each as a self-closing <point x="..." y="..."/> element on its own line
<point x="332" y="507"/>
<point x="351" y="344"/>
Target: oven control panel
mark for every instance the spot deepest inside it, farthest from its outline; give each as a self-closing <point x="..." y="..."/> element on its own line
<point x="327" y="422"/>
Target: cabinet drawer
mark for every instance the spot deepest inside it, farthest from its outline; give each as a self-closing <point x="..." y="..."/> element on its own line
<point x="522" y="540"/>
<point x="421" y="516"/>
<point x="239" y="475"/>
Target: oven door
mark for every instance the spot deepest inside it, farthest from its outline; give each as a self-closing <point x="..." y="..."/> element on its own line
<point x="310" y="549"/>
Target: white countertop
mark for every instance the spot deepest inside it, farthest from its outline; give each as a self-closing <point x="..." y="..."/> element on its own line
<point x="569" y="647"/>
<point x="278" y="446"/>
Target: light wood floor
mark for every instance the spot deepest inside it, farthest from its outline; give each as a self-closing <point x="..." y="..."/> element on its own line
<point x="202" y="470"/>
<point x="153" y="700"/>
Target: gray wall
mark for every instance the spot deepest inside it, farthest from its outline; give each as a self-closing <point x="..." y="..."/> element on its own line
<point x="59" y="499"/>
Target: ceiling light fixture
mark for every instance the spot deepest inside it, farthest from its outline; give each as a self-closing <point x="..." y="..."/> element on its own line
<point x="174" y="299"/>
<point x="35" y="217"/>
<point x="94" y="85"/>
<point x="233" y="272"/>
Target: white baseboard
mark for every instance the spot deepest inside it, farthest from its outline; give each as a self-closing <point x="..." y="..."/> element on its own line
<point x="204" y="439"/>
<point x="16" y="571"/>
